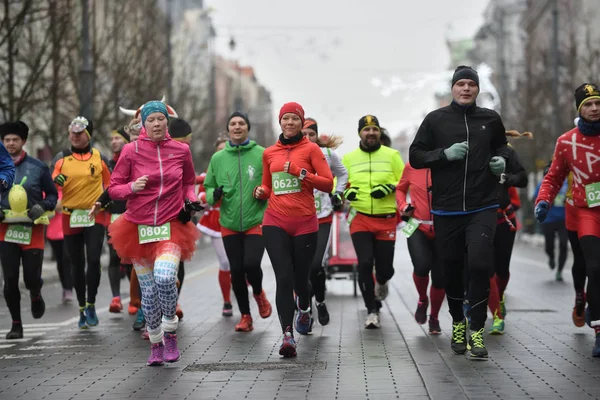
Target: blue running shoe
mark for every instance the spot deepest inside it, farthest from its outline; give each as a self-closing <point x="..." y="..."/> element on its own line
<point x="140" y="321"/>
<point x="304" y="322"/>
<point x="467" y="310"/>
<point x="82" y="324"/>
<point x="90" y="312"/>
<point x="596" y="350"/>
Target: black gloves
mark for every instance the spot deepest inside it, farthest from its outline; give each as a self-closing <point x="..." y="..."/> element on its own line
<point x="60" y="180"/>
<point x="351" y="193"/>
<point x="35" y="212"/>
<point x="185" y="215"/>
<point x="380" y="191"/>
<point x="217" y="194"/>
<point x="337" y="201"/>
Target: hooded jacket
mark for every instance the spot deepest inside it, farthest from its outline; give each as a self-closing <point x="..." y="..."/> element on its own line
<point x="171" y="178"/>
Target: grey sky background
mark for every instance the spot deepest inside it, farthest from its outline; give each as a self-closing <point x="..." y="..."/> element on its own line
<point x="326" y="54"/>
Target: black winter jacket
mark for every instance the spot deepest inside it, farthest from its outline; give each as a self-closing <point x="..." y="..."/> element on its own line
<point x="468" y="184"/>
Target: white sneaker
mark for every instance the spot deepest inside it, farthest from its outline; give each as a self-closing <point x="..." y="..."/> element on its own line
<point x="372" y="321"/>
<point x="381" y="291"/>
<point x="67" y="296"/>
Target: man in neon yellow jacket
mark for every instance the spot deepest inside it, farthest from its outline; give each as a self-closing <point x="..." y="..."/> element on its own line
<point x="373" y="174"/>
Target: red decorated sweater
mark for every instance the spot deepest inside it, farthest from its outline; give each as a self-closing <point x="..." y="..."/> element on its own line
<point x="574" y="153"/>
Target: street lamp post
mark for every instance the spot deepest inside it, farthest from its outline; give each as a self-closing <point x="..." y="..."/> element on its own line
<point x="238" y="103"/>
<point x="86" y="73"/>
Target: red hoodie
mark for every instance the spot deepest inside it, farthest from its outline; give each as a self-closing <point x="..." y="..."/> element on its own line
<point x="301" y="154"/>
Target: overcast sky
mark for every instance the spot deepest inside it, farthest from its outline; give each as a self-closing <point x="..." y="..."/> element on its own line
<point x="327" y="54"/>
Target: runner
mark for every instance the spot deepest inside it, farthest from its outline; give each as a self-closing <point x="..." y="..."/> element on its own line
<point x="374" y="171"/>
<point x="578" y="269"/>
<point x="575" y="152"/>
<point x="119" y="138"/>
<point x="421" y="243"/>
<point x="292" y="168"/>
<point x="326" y="204"/>
<point x="83" y="173"/>
<point x="554" y="226"/>
<point x="210" y="226"/>
<point x="231" y="178"/>
<point x="21" y="239"/>
<point x="506" y="229"/>
<point x="180" y="131"/>
<point x="157" y="175"/>
<point x="54" y="234"/>
<point x="466" y="149"/>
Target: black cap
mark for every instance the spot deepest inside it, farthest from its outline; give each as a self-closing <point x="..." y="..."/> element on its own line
<point x="585" y="92"/>
<point x="179" y="128"/>
<point x="18" y="128"/>
<point x="241" y="115"/>
<point x="367" y="120"/>
<point x="121" y="132"/>
<point x="465" y="72"/>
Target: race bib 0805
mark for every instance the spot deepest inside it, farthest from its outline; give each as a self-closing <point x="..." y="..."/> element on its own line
<point x="284" y="183"/>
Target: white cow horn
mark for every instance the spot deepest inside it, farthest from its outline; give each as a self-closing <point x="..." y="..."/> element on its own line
<point x="163" y="99"/>
<point x="125" y="111"/>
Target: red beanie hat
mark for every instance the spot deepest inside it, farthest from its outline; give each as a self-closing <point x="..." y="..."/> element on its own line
<point x="293" y="108"/>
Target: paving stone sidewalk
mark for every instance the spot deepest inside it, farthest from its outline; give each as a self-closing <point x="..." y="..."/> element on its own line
<point x="542" y="355"/>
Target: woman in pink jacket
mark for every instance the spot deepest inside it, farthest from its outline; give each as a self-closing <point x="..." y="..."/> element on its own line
<point x="156" y="175"/>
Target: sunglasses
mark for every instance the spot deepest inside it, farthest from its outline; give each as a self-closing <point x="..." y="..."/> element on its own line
<point x="78" y="125"/>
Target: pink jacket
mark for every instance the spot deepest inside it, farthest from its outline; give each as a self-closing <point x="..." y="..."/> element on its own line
<point x="54" y="230"/>
<point x="171" y="179"/>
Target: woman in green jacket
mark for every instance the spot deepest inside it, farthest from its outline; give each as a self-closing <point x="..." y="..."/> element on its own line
<point x="232" y="176"/>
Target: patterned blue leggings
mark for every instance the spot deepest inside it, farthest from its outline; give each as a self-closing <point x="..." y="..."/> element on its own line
<point x="158" y="284"/>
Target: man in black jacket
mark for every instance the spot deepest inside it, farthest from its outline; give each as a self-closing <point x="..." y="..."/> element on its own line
<point x="466" y="149"/>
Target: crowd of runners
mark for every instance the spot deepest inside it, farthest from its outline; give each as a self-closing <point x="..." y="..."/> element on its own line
<point x="455" y="201"/>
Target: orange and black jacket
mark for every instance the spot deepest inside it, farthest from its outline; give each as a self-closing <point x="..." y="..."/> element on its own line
<point x="87" y="175"/>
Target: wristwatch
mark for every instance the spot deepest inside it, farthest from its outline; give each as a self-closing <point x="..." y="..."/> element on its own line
<point x="303" y="173"/>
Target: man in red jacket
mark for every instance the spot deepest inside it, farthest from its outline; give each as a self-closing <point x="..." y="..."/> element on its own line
<point x="578" y="151"/>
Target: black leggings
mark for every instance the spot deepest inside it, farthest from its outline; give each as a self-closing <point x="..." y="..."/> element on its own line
<point x="63" y="264"/>
<point x="11" y="256"/>
<point x="317" y="271"/>
<point x="550" y="230"/>
<point x="245" y="253"/>
<point x="503" y="247"/>
<point x="87" y="244"/>
<point x="291" y="257"/>
<point x="180" y="276"/>
<point x="591" y="251"/>
<point x="114" y="271"/>
<point x="578" y="270"/>
<point x="472" y="234"/>
<point x="424" y="258"/>
<point x="369" y="250"/>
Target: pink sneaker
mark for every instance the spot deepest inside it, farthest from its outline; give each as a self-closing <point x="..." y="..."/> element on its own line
<point x="145" y="335"/>
<point x="156" y="354"/>
<point x="171" y="351"/>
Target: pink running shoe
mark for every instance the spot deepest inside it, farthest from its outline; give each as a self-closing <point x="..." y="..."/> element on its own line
<point x="156" y="354"/>
<point x="145" y="335"/>
<point x="171" y="351"/>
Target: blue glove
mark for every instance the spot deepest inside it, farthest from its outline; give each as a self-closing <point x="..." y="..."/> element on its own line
<point x="497" y="165"/>
<point x="541" y="211"/>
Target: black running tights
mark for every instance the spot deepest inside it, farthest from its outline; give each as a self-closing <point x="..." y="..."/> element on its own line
<point x="578" y="269"/>
<point x="63" y="264"/>
<point x="317" y="270"/>
<point x="291" y="257"/>
<point x="86" y="244"/>
<point x="245" y="253"/>
<point x="11" y="256"/>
